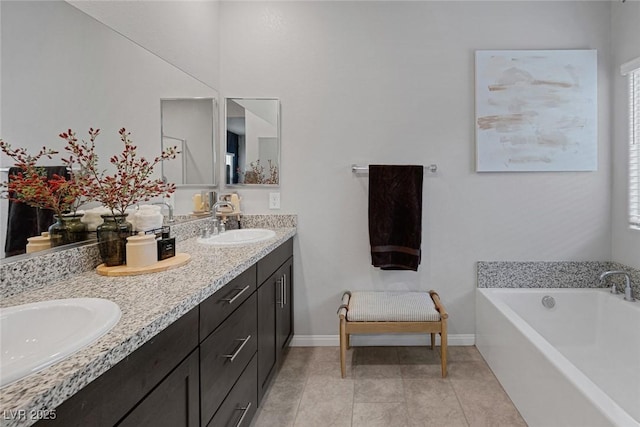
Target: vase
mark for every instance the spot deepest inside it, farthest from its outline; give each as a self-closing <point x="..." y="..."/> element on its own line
<point x="68" y="229"/>
<point x="112" y="239"/>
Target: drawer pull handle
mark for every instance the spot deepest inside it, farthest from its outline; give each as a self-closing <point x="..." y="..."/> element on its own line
<point x="279" y="300"/>
<point x="231" y="357"/>
<point x="244" y="413"/>
<point x="235" y="297"/>
<point x="283" y="291"/>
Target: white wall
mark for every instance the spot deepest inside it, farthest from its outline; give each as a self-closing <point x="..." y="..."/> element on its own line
<point x="392" y="82"/>
<point x="625" y="24"/>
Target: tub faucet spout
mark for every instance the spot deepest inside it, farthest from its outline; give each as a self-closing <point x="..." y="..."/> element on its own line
<point x="628" y="292"/>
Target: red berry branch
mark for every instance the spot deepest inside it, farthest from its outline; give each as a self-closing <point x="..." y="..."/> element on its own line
<point x="132" y="181"/>
<point x="257" y="176"/>
<point x="32" y="187"/>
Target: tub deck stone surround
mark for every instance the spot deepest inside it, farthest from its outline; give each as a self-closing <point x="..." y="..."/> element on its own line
<point x="551" y="274"/>
<point x="149" y="304"/>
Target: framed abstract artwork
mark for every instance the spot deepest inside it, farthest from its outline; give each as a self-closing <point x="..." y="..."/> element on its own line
<point x="536" y="110"/>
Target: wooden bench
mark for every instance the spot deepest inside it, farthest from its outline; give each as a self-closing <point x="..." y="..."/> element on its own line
<point x="364" y="312"/>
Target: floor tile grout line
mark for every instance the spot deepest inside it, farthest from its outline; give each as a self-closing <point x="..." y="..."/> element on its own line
<point x="453" y="388"/>
<point x="455" y="392"/>
<point x="306" y="381"/>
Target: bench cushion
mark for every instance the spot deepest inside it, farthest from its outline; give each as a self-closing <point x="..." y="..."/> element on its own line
<point x="365" y="306"/>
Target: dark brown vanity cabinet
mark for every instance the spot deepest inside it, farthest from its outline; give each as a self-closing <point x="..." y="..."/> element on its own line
<point x="275" y="314"/>
<point x="284" y="307"/>
<point x="209" y="368"/>
<point x="224" y="355"/>
<point x="173" y="403"/>
<point x="241" y="404"/>
<point x="158" y="381"/>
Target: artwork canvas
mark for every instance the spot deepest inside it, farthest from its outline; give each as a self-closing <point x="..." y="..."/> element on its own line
<point x="536" y="110"/>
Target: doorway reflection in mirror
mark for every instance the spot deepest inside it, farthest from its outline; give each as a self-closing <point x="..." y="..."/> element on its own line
<point x="253" y="141"/>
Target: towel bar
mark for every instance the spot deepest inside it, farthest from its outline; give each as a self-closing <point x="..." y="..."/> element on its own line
<point x="432" y="168"/>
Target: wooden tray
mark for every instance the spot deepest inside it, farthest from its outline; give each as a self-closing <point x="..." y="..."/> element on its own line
<point x="166" y="264"/>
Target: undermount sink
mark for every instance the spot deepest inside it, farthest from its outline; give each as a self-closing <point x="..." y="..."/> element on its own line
<point x="37" y="335"/>
<point x="238" y="237"/>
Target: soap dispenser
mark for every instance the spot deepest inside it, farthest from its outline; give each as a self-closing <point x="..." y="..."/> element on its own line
<point x="141" y="250"/>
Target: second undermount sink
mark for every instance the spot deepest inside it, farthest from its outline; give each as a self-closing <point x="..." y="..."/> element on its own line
<point x="238" y="237"/>
<point x="37" y="335"/>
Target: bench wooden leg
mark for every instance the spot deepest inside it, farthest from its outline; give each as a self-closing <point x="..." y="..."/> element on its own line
<point x="433" y="340"/>
<point x="343" y="348"/>
<point x="443" y="349"/>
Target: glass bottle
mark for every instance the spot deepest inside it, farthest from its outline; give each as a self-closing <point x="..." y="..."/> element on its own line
<point x="112" y="238"/>
<point x="68" y="229"/>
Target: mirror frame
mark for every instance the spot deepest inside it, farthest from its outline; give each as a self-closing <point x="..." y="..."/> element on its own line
<point x="214" y="141"/>
<point x="223" y="167"/>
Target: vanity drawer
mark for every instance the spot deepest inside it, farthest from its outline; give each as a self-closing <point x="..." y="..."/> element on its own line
<point x="240" y="405"/>
<point x="221" y="304"/>
<point x="269" y="264"/>
<point x="225" y="354"/>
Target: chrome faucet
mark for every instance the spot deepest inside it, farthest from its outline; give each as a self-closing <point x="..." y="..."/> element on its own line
<point x="628" y="292"/>
<point x="171" y="220"/>
<point x="216" y="205"/>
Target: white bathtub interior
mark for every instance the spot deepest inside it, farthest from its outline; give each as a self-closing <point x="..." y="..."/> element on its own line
<point x="578" y="362"/>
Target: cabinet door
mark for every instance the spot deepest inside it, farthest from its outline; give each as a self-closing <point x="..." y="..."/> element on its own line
<point x="284" y="306"/>
<point x="266" y="332"/>
<point x="173" y="403"/>
<point x="111" y="396"/>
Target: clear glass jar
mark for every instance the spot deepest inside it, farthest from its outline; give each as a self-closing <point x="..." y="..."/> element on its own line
<point x="112" y="239"/>
<point x="68" y="229"/>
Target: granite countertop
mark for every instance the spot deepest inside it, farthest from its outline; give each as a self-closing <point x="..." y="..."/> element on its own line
<point x="149" y="303"/>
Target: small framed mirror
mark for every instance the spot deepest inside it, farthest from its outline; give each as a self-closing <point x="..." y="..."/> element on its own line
<point x="188" y="123"/>
<point x="252" y="155"/>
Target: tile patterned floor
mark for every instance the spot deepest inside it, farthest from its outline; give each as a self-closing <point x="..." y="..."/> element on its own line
<point x="385" y="386"/>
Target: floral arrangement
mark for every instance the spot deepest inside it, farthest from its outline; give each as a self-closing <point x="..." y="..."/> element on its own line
<point x="257" y="176"/>
<point x="32" y="186"/>
<point x="130" y="184"/>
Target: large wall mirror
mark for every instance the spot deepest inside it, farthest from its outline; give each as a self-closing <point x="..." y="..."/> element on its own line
<point x="189" y="124"/>
<point x="63" y="69"/>
<point x="253" y="141"/>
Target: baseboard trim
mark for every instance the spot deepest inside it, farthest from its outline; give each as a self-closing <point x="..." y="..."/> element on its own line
<point x="378" y="340"/>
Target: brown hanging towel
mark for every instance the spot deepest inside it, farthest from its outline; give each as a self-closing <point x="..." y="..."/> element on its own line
<point x="395" y="216"/>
